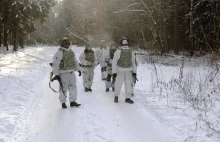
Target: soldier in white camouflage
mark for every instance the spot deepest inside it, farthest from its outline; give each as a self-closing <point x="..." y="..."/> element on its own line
<point x="64" y="65"/>
<point x="124" y="69"/>
<point x="110" y="81"/>
<point x="100" y="54"/>
<point x="88" y="63"/>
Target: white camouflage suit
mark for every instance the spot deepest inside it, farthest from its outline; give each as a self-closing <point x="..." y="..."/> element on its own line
<point x="87" y="69"/>
<point x="108" y="64"/>
<point x="68" y="77"/>
<point x="100" y="55"/>
<point x="123" y="74"/>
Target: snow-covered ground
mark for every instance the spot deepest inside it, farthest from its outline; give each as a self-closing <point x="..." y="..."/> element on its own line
<point x="31" y="112"/>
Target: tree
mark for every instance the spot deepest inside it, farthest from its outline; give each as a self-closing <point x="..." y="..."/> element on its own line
<point x="157" y="25"/>
<point x="18" y="17"/>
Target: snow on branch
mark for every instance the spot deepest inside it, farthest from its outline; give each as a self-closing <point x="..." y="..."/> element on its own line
<point x="140" y="10"/>
<point x="133" y="4"/>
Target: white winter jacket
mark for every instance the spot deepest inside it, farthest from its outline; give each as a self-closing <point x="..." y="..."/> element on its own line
<point x="56" y="62"/>
<point x="115" y="67"/>
<point x="100" y="54"/>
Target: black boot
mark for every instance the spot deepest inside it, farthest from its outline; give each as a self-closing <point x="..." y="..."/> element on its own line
<point x="74" y="104"/>
<point x="64" y="106"/>
<point x="116" y="99"/>
<point x="128" y="100"/>
<point x="113" y="89"/>
<point x="107" y="89"/>
<point x="86" y="89"/>
<point x="90" y="89"/>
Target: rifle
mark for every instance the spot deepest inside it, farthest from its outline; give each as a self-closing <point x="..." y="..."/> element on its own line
<point x="55" y="78"/>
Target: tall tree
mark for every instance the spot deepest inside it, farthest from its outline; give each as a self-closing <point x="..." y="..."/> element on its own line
<point x="176" y="27"/>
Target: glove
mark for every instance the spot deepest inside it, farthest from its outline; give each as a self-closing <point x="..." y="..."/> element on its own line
<point x="51" y="64"/>
<point x="79" y="73"/>
<point x="114" y="75"/>
<point x="134" y="75"/>
<point x="57" y="77"/>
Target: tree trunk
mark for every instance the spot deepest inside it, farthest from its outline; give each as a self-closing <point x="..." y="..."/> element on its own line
<point x="215" y="33"/>
<point x="21" y="40"/>
<point x="6" y="36"/>
<point x="176" y="28"/>
<point x="158" y="40"/>
<point x="191" y="36"/>
<point x="11" y="31"/>
<point x="14" y="35"/>
<point x="1" y="21"/>
<point x="5" y="27"/>
<point x="0" y="33"/>
<point x="164" y="29"/>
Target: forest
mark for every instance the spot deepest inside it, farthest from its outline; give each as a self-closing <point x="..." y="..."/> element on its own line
<point x="163" y="26"/>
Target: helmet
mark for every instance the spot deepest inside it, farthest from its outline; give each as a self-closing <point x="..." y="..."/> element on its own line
<point x="88" y="49"/>
<point x="124" y="41"/>
<point x="64" y="42"/>
<point x="64" y="38"/>
<point x="102" y="41"/>
<point x="102" y="44"/>
<point x="113" y="45"/>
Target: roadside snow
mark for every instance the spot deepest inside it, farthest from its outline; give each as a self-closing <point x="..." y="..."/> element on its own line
<point x="21" y="77"/>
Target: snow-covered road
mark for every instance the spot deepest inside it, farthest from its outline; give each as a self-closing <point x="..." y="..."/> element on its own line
<point x="99" y="119"/>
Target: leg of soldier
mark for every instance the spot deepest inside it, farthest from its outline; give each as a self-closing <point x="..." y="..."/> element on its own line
<point x="113" y="84"/>
<point x="103" y="70"/>
<point x="63" y="92"/>
<point x="118" y="83"/>
<point x="132" y="90"/>
<point x="108" y="82"/>
<point x="85" y="75"/>
<point x="72" y="87"/>
<point x="133" y="84"/>
<point x="128" y="84"/>
<point x="91" y="76"/>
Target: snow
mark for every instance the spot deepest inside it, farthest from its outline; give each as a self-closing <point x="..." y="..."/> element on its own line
<point x="31" y="112"/>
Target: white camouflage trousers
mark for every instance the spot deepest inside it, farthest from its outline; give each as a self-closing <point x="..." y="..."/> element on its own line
<point x="69" y="84"/>
<point x="110" y="82"/>
<point x="103" y="69"/>
<point x="88" y="75"/>
<point x="133" y="84"/>
<point x="125" y="77"/>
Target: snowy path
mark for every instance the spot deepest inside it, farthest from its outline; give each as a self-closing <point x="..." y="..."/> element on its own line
<point x="99" y="119"/>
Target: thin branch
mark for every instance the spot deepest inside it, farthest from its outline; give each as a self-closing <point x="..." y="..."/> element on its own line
<point x="77" y="36"/>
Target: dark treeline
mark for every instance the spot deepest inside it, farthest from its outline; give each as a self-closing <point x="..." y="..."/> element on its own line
<point x="158" y="25"/>
<point x="17" y="19"/>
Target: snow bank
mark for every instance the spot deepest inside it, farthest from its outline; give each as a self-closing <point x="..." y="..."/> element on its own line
<point x="186" y="99"/>
<point x="21" y="75"/>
